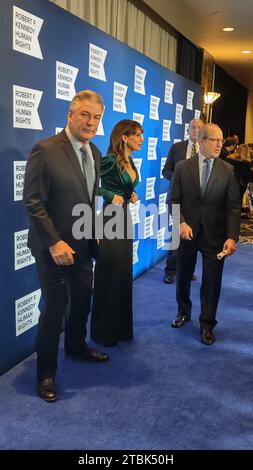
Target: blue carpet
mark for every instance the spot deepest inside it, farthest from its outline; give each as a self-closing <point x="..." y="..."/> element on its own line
<point x="164" y="390"/>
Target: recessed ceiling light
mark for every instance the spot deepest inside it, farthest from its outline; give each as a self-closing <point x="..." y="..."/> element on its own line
<point x="246" y="52"/>
<point x="228" y="29"/>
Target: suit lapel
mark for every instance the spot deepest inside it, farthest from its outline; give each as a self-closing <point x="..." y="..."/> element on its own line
<point x="96" y="156"/>
<point x="194" y="169"/>
<point x="214" y="177"/>
<point x="71" y="155"/>
<point x="184" y="147"/>
<point x="181" y="151"/>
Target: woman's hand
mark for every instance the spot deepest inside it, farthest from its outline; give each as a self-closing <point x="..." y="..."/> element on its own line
<point x="118" y="200"/>
<point x="133" y="198"/>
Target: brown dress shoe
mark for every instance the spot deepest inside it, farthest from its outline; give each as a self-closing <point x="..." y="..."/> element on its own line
<point x="47" y="390"/>
<point x="88" y="354"/>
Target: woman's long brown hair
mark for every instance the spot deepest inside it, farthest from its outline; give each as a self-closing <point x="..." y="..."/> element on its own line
<point x="125" y="127"/>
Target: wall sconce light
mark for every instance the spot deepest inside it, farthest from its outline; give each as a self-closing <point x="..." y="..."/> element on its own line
<point x="209" y="99"/>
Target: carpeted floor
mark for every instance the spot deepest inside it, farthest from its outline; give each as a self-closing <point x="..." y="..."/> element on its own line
<point x="164" y="390"/>
<point x="246" y="232"/>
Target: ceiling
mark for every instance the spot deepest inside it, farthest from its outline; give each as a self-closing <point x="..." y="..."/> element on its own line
<point x="202" y="22"/>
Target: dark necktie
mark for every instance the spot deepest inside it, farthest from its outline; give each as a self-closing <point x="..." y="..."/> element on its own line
<point x="205" y="175"/>
<point x="87" y="171"/>
<point x="194" y="151"/>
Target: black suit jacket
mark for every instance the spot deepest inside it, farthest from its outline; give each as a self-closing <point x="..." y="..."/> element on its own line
<point x="54" y="184"/>
<point x="176" y="153"/>
<point x="218" y="210"/>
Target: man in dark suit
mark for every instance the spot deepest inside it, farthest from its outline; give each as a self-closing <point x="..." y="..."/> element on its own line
<point x="63" y="171"/>
<point x="208" y="194"/>
<point x="180" y="151"/>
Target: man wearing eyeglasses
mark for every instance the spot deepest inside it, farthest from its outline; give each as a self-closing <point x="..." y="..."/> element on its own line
<point x="63" y="171"/>
<point x="180" y="151"/>
<point x="208" y="194"/>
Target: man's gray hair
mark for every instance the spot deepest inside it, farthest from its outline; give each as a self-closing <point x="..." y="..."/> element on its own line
<point x="196" y="120"/>
<point x="86" y="95"/>
<point x="204" y="131"/>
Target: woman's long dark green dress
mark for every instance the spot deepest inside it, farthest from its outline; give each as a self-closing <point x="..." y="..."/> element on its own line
<point x="111" y="318"/>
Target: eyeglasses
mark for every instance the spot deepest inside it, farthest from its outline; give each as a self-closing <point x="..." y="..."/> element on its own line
<point x="217" y="141"/>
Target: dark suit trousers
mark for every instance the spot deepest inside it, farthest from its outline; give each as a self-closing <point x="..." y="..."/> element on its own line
<point x="171" y="263"/>
<point x="211" y="278"/>
<point x="66" y="294"/>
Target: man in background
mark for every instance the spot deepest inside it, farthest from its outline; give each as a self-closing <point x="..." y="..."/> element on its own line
<point x="180" y="151"/>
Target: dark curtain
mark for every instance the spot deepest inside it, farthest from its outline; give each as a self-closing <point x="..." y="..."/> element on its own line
<point x="229" y="111"/>
<point x="189" y="60"/>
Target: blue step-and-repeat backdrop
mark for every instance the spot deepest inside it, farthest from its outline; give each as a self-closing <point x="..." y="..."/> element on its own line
<point x="46" y="56"/>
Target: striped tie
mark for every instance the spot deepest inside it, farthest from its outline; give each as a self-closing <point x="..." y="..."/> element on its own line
<point x="194" y="151"/>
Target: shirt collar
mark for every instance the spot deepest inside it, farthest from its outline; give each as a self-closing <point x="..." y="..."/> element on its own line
<point x="76" y="143"/>
<point x="191" y="142"/>
<point x="202" y="158"/>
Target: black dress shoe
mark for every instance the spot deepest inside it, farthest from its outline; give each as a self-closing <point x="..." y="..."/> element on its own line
<point x="207" y="337"/>
<point x="180" y="321"/>
<point x="168" y="278"/>
<point x="47" y="390"/>
<point x="88" y="354"/>
<point x="194" y="277"/>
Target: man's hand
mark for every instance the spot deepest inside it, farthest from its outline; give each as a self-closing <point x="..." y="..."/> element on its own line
<point x="186" y="231"/>
<point x="118" y="200"/>
<point x="230" y="246"/>
<point x="133" y="198"/>
<point x="62" y="253"/>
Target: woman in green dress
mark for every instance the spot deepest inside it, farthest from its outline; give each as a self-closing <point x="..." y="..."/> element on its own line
<point x="111" y="319"/>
